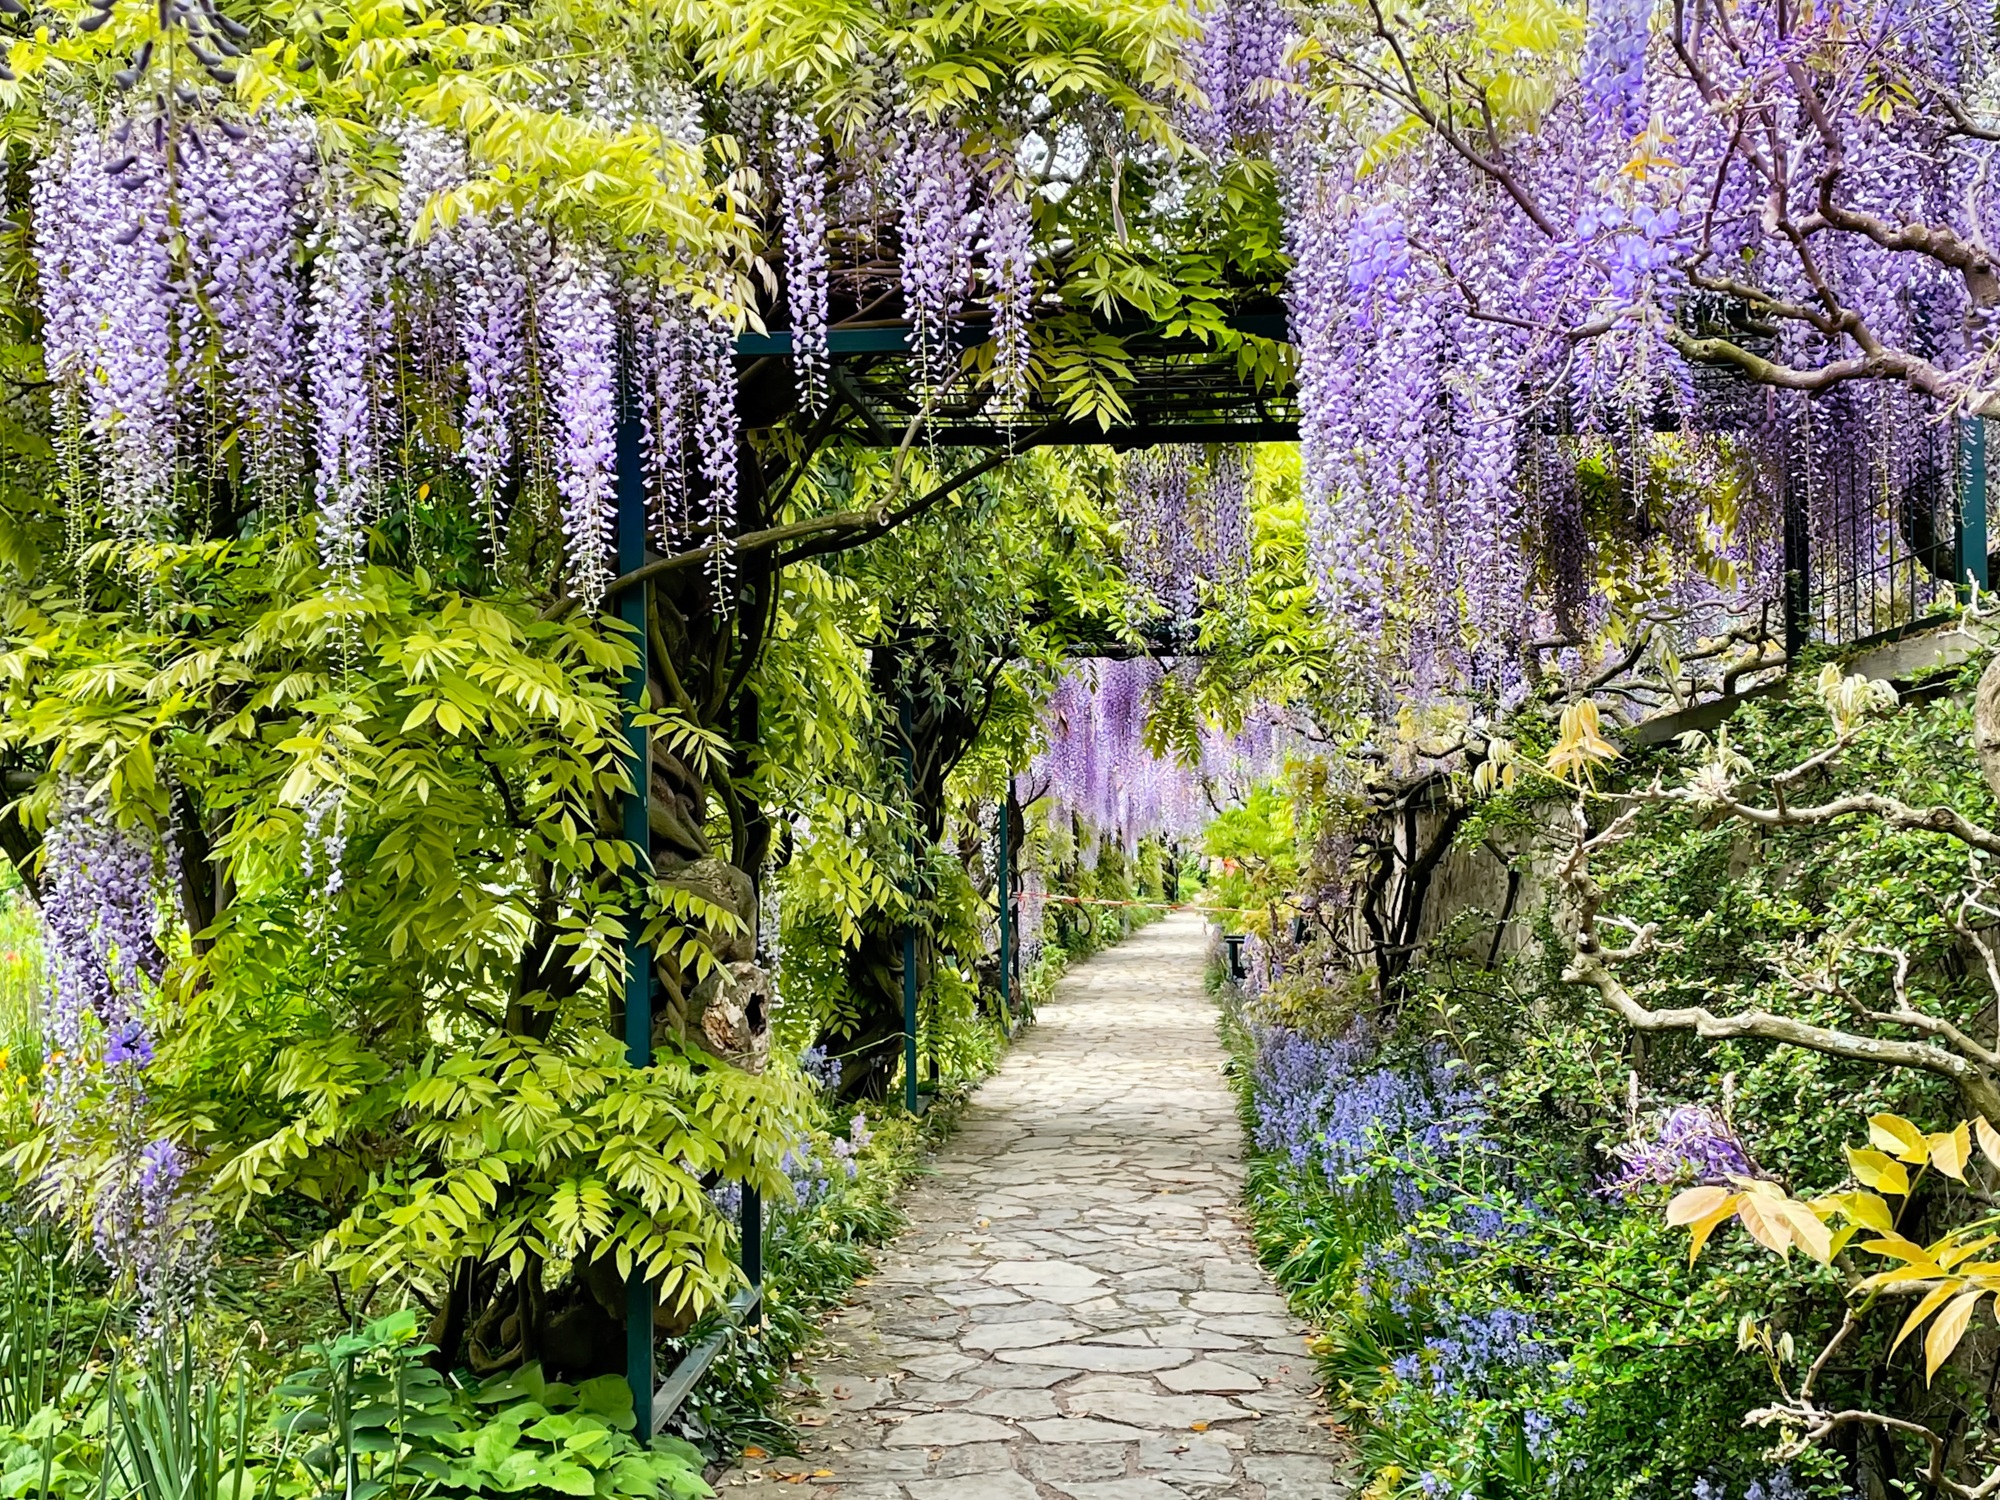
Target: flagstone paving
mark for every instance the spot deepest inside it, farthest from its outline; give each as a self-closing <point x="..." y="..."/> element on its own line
<point x="1076" y="1312"/>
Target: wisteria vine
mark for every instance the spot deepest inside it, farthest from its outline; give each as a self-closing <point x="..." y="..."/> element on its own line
<point x="1496" y="344"/>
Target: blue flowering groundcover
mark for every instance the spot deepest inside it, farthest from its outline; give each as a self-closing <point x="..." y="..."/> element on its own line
<point x="1501" y="1308"/>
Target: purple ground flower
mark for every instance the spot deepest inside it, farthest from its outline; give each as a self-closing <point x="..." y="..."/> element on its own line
<point x="821" y="1067"/>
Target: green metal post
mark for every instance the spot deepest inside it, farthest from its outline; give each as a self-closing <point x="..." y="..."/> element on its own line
<point x="910" y="925"/>
<point x="1972" y="507"/>
<point x="1005" y="891"/>
<point x="631" y="547"/>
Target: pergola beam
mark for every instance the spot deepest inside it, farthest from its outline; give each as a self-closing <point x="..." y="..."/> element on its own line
<point x="1181" y="389"/>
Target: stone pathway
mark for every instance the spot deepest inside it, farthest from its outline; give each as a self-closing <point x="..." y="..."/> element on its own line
<point x="1076" y="1312"/>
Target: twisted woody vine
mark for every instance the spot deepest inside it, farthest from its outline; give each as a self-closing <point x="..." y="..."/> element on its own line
<point x="1485" y="501"/>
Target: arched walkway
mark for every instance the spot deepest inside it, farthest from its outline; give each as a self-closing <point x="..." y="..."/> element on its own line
<point x="1076" y="1311"/>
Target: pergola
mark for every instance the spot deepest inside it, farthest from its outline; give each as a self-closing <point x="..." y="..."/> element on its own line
<point x="1182" y="390"/>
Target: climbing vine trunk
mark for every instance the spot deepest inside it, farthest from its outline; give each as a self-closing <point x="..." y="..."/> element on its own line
<point x="1986" y="724"/>
<point x="705" y="632"/>
<point x="948" y="687"/>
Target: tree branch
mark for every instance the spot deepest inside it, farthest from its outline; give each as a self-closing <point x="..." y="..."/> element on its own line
<point x="870" y="528"/>
<point x="1590" y="964"/>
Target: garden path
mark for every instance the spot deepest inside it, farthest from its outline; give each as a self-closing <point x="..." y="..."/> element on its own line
<point x="1076" y="1311"/>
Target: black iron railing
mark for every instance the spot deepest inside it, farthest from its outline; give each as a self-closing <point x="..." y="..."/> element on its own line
<point x="1885" y="526"/>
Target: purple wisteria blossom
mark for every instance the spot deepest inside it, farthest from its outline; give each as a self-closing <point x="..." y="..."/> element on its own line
<point x="243" y="212"/>
<point x="579" y="355"/>
<point x="101" y="916"/>
<point x="352" y="321"/>
<point x="936" y="230"/>
<point x="802" y="208"/>
<point x="492" y="335"/>
<point x="107" y="279"/>
<point x="1095" y="761"/>
<point x="666" y="373"/>
<point x="1010" y="294"/>
<point x="127" y="1045"/>
<point x="717" y="435"/>
<point x="1614" y="67"/>
<point x="1694" y="1145"/>
<point x="690" y="430"/>
<point x="820" y="1066"/>
<point x="1238" y="63"/>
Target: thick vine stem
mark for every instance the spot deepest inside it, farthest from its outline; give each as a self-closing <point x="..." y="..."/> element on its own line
<point x="1897" y="814"/>
<point x="1986" y="724"/>
<point x="1813" y="1425"/>
<point x="1591" y="963"/>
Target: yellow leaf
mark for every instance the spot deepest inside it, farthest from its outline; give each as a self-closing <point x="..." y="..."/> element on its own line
<point x="1989" y="1140"/>
<point x="1933" y="1300"/>
<point x="1809" y="1233"/>
<point x="1695" y="1203"/>
<point x="1899" y="1138"/>
<point x="1766" y="1224"/>
<point x="1703" y="1228"/>
<point x="1867" y="1209"/>
<point x="1949" y="1258"/>
<point x="1947" y="1331"/>
<point x="1902" y="1249"/>
<point x="1580" y="746"/>
<point x="1873" y="1169"/>
<point x="1951" y="1149"/>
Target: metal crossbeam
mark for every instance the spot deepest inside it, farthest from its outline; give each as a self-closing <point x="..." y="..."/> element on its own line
<point x="694" y="1364"/>
<point x="1180" y="390"/>
<point x="894" y="337"/>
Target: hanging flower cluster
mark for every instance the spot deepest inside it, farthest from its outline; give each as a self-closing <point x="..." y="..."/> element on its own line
<point x="108" y="277"/>
<point x="245" y="206"/>
<point x="937" y="227"/>
<point x="247" y="290"/>
<point x="712" y="356"/>
<point x="492" y="316"/>
<point x="689" y="430"/>
<point x="579" y="330"/>
<point x="1096" y="764"/>
<point x="100" y="913"/>
<point x="1185" y="511"/>
<point x="1614" y="313"/>
<point x="802" y="203"/>
<point x="1239" y="64"/>
<point x="1694" y="1145"/>
<point x="1010" y="278"/>
<point x="351" y="327"/>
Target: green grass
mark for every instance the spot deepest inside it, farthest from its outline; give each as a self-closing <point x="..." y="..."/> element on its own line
<point x="21" y="969"/>
<point x="20" y="975"/>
